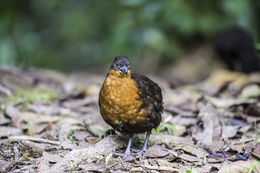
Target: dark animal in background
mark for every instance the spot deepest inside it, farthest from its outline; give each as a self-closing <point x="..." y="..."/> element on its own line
<point x="235" y="47"/>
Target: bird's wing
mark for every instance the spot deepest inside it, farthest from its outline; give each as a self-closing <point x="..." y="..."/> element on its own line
<point x="149" y="92"/>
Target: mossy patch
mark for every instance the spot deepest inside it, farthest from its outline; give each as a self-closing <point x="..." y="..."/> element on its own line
<point x="23" y="97"/>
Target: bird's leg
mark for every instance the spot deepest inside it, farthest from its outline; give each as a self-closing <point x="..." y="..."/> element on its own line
<point x="143" y="149"/>
<point x="127" y="151"/>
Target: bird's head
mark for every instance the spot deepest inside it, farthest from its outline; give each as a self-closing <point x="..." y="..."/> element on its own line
<point x="121" y="65"/>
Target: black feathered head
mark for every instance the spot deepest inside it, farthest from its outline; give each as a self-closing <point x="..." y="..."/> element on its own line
<point x="121" y="63"/>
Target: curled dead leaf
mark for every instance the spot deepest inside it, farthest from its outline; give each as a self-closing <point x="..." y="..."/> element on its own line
<point x="156" y="151"/>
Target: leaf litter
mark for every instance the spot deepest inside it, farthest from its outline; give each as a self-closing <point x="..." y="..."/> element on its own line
<point x="50" y="122"/>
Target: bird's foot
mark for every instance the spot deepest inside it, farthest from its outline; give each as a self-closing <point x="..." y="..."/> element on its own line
<point x="138" y="151"/>
<point x="127" y="151"/>
<point x="122" y="155"/>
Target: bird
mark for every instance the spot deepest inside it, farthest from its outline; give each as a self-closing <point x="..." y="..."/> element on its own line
<point x="130" y="103"/>
<point x="235" y="47"/>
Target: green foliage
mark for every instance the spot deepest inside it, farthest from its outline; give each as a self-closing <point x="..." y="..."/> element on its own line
<point x="23" y="97"/>
<point x="252" y="168"/>
<point x="257" y="46"/>
<point x="165" y="126"/>
<point x="69" y="35"/>
<point x="71" y="138"/>
<point x="156" y="131"/>
<point x="98" y="156"/>
<point x="257" y="163"/>
<point x="193" y="170"/>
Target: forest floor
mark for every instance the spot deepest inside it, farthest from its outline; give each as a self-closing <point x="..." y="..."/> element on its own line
<point x="50" y="122"/>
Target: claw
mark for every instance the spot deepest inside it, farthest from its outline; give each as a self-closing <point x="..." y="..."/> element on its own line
<point x="138" y="151"/>
<point x="122" y="155"/>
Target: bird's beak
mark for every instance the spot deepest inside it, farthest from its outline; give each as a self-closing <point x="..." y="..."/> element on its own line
<point x="124" y="69"/>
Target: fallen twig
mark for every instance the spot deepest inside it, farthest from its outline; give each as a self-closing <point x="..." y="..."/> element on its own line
<point x="34" y="139"/>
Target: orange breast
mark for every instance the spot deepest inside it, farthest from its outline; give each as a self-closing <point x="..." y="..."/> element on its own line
<point x="119" y="100"/>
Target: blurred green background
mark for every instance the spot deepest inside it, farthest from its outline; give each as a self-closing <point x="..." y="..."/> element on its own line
<point x="86" y="35"/>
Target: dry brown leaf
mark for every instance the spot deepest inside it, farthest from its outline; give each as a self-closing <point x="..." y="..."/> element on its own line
<point x="41" y="118"/>
<point x="184" y="94"/>
<point x="156" y="151"/>
<point x="228" y="102"/>
<point x="191" y="158"/>
<point x="80" y="135"/>
<point x="163" y="162"/>
<point x="50" y="109"/>
<point x="219" y="77"/>
<point x="191" y="149"/>
<point x="6" y="166"/>
<point x="256" y="151"/>
<point x="4" y="120"/>
<point x="186" y="157"/>
<point x="210" y="138"/>
<point x="204" y="168"/>
<point x="93" y="167"/>
<point x="215" y="160"/>
<point x="137" y="169"/>
<point x="188" y="105"/>
<point x="36" y="123"/>
<point x="229" y="131"/>
<point x="238" y="147"/>
<point x="43" y="164"/>
<point x="179" y="130"/>
<point x="6" y="131"/>
<point x="177" y="111"/>
<point x="240" y="167"/>
<point x="53" y="158"/>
